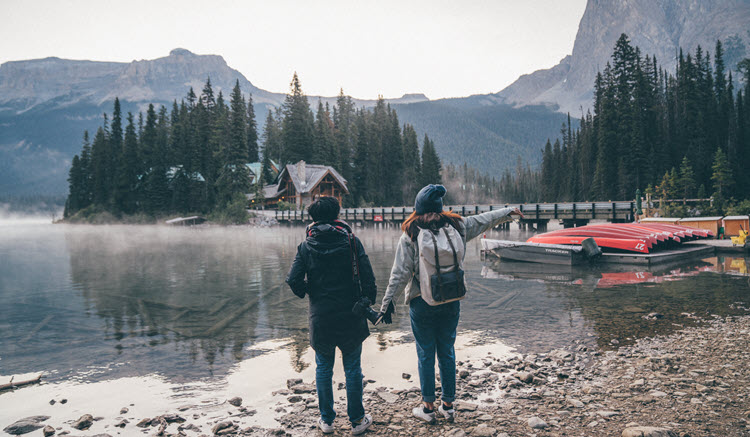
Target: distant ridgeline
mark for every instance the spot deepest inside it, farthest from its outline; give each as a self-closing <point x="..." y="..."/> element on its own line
<point x="195" y="157"/>
<point x="680" y="135"/>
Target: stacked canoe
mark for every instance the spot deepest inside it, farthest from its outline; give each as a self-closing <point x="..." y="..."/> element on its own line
<point x="625" y="237"/>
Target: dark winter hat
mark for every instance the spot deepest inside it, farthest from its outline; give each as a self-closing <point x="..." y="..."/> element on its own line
<point x="429" y="199"/>
<point x="325" y="209"/>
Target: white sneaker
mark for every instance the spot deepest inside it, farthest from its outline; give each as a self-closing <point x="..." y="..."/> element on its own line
<point x="325" y="427"/>
<point x="363" y="425"/>
<point x="427" y="417"/>
<point x="449" y="414"/>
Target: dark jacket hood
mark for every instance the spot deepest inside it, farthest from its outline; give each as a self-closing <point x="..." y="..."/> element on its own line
<point x="328" y="238"/>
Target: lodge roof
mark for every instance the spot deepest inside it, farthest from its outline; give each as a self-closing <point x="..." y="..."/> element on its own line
<point x="306" y="177"/>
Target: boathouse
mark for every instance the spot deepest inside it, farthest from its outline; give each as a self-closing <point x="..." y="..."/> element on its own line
<point x="734" y="223"/>
<point x="711" y="223"/>
<point x="301" y="184"/>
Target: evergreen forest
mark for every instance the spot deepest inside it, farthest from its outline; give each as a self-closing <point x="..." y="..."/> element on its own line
<point x="192" y="158"/>
<point x="680" y="135"/>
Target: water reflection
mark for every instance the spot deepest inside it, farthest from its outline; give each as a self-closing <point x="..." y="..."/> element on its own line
<point x="101" y="302"/>
<point x="622" y="303"/>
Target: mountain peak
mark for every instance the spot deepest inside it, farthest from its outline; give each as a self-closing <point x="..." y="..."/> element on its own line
<point x="181" y="52"/>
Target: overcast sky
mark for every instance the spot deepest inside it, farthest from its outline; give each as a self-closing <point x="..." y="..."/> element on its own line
<point x="439" y="48"/>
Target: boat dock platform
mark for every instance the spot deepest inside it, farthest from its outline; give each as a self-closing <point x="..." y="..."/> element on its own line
<point x="721" y="246"/>
<point x="661" y="257"/>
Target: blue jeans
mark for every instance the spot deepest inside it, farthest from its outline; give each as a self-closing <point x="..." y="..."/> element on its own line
<point x="434" y="330"/>
<point x="324" y="383"/>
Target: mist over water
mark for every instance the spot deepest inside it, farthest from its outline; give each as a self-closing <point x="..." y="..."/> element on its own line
<point x="89" y="303"/>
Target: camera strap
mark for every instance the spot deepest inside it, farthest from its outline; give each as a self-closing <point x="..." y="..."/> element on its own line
<point x="355" y="265"/>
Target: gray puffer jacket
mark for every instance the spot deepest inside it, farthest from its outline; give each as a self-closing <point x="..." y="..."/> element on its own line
<point x="405" y="270"/>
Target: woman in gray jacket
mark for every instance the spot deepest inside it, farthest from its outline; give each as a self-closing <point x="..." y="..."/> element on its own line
<point x="434" y="327"/>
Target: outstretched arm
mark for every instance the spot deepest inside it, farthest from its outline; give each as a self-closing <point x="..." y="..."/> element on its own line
<point x="296" y="277"/>
<point x="402" y="270"/>
<point x="478" y="224"/>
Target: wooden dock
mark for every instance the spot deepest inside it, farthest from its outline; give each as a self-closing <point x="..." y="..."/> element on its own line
<point x="536" y="214"/>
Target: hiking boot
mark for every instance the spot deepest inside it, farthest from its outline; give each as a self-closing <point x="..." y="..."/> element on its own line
<point x="362" y="426"/>
<point x="448" y="413"/>
<point x="327" y="428"/>
<point x="420" y="414"/>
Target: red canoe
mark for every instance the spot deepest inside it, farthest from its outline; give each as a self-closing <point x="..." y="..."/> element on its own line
<point x="611" y="231"/>
<point x="628" y="244"/>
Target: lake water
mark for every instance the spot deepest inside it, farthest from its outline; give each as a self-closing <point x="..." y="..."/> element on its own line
<point x="112" y="304"/>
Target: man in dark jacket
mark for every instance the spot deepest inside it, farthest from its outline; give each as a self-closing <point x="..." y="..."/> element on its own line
<point x="323" y="269"/>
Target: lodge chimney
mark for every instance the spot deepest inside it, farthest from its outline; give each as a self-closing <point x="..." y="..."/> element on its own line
<point x="301" y="172"/>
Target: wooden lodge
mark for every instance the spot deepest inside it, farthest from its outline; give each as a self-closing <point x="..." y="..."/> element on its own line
<point x="301" y="184"/>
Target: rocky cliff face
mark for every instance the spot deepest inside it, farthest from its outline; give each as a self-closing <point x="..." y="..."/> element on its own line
<point x="59" y="82"/>
<point x="658" y="27"/>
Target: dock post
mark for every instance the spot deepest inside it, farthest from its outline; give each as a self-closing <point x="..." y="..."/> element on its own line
<point x="593" y="211"/>
<point x="555" y="212"/>
<point x="614" y="212"/>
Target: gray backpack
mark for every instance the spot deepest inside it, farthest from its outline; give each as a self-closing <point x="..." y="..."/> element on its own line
<point x="441" y="274"/>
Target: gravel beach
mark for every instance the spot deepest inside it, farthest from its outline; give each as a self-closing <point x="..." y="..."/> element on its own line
<point x="693" y="382"/>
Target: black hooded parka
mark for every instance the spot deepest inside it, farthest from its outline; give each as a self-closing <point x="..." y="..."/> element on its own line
<point x="322" y="269"/>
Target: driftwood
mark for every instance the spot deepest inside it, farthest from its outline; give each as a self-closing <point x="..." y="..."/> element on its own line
<point x="220" y="326"/>
<point x="218" y="307"/>
<point x="180" y="315"/>
<point x="503" y="301"/>
<point x="11" y="385"/>
<point x="36" y="329"/>
<point x="146" y="316"/>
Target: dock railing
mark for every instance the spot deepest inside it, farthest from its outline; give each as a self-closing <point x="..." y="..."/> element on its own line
<point x="533" y="212"/>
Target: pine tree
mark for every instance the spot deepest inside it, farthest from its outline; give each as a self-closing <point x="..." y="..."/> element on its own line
<point x="252" y="132"/>
<point x="76" y="195"/>
<point x="412" y="163"/>
<point x="233" y="176"/>
<point x="128" y="172"/>
<point x="297" y="131"/>
<point x="99" y="160"/>
<point x="686" y="180"/>
<point x="722" y="174"/>
<point x="272" y="140"/>
<point x="324" y="147"/>
<point x="431" y="166"/>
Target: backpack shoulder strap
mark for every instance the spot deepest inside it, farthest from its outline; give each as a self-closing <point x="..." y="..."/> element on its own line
<point x="437" y="267"/>
<point x="453" y="248"/>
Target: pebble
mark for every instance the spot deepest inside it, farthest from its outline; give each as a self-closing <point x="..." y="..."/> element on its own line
<point x="236" y="401"/>
<point x="537" y="423"/>
<point x="48" y="431"/>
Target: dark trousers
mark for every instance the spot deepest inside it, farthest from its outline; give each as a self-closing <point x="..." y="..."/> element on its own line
<point x="434" y="330"/>
<point x="324" y="383"/>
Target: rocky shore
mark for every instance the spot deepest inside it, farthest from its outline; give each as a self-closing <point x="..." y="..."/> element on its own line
<point x="694" y="382"/>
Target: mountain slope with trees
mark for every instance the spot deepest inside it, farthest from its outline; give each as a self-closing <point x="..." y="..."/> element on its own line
<point x="681" y="134"/>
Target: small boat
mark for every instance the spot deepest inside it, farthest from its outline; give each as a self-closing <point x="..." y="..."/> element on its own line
<point x="626" y="244"/>
<point x="583" y="252"/>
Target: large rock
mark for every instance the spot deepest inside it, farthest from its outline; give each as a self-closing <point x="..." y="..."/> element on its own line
<point x="25" y="425"/>
<point x="84" y="422"/>
<point x="647" y="431"/>
<point x="484" y="431"/>
<point x="537" y="423"/>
